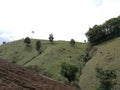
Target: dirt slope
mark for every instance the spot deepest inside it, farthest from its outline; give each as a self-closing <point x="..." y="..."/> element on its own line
<point x="13" y="77"/>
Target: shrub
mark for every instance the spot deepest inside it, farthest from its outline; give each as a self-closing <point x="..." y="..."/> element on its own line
<point x="86" y="57"/>
<point x="106" y="78"/>
<point x="72" y="42"/>
<point x="38" y="45"/>
<point x="68" y="71"/>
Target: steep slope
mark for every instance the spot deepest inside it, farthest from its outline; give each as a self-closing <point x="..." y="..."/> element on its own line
<point x="107" y="56"/>
<point x="48" y="62"/>
<point x="13" y="77"/>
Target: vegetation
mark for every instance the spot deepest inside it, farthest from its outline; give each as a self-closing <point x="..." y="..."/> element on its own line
<point x="106" y="79"/>
<point x="72" y="42"/>
<point x="49" y="61"/>
<point x="51" y="38"/>
<point x="69" y="71"/>
<point x="38" y="46"/>
<point x="105" y="55"/>
<point x="4" y="42"/>
<point x="86" y="57"/>
<point x="27" y="41"/>
<point x="100" y="33"/>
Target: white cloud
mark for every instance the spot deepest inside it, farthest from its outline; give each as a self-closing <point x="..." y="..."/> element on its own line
<point x="98" y="2"/>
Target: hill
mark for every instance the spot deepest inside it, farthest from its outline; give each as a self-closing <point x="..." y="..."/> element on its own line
<point x="48" y="62"/>
<point x="14" y="77"/>
<point x="105" y="55"/>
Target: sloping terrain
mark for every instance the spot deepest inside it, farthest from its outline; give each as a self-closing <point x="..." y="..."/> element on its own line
<point x="48" y="62"/>
<point x="106" y="56"/>
<point x="13" y="77"/>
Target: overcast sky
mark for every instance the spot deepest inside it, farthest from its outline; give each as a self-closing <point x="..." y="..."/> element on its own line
<point x="66" y="19"/>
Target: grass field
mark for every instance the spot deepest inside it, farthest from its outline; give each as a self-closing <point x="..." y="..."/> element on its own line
<point x="107" y="56"/>
<point x="48" y="62"/>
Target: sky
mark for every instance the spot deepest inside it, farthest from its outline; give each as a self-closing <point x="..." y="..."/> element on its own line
<point x="65" y="19"/>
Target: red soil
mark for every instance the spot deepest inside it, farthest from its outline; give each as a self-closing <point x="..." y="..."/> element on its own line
<point x="14" y="77"/>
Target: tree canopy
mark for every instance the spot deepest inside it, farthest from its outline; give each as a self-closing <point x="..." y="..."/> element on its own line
<point x="108" y="30"/>
<point x="72" y="42"/>
<point x="27" y="40"/>
<point x="51" y="38"/>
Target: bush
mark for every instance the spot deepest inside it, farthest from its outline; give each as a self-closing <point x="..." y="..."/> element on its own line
<point x="38" y="45"/>
<point x="106" y="79"/>
<point x="72" y="42"/>
<point x="14" y="61"/>
<point x="86" y="58"/>
<point x="68" y="71"/>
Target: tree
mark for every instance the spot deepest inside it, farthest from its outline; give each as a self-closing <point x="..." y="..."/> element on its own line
<point x="51" y="38"/>
<point x="68" y="71"/>
<point x="38" y="45"/>
<point x="108" y="30"/>
<point x="27" y="40"/>
<point x="72" y="42"/>
<point x="4" y="42"/>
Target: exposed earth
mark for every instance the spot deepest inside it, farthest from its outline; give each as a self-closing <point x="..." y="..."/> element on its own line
<point x="14" y="77"/>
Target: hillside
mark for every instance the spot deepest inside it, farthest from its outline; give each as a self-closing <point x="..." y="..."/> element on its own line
<point x="14" y="77"/>
<point x="48" y="62"/>
<point x="105" y="55"/>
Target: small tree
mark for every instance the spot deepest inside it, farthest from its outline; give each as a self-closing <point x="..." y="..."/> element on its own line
<point x="27" y="41"/>
<point x="38" y="45"/>
<point x="106" y="78"/>
<point x="51" y="38"/>
<point x="4" y="42"/>
<point x="68" y="71"/>
<point x="72" y="42"/>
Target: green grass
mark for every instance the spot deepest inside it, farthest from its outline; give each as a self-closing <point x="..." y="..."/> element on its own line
<point x="106" y="56"/>
<point x="49" y="60"/>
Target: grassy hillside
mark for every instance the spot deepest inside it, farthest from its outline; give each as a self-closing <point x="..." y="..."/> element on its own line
<point x="48" y="62"/>
<point x="105" y="55"/>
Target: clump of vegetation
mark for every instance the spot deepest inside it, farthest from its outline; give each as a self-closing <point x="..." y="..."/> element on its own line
<point x="106" y="78"/>
<point x="51" y="38"/>
<point x="72" y="42"/>
<point x="48" y="74"/>
<point x="68" y="71"/>
<point x="4" y="42"/>
<point x="14" y="61"/>
<point x="27" y="40"/>
<point x="38" y="46"/>
<point x="86" y="57"/>
<point x="100" y="33"/>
